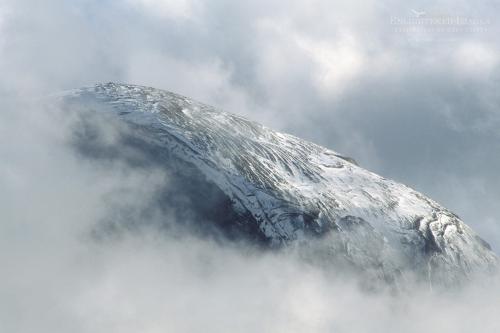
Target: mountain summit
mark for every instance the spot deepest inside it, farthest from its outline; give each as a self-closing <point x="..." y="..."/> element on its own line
<point x="284" y="191"/>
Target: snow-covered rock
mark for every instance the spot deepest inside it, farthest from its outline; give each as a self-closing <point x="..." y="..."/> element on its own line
<point x="291" y="191"/>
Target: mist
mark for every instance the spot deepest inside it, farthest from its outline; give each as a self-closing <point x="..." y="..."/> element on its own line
<point x="83" y="243"/>
<point x="58" y="276"/>
<point x="86" y="248"/>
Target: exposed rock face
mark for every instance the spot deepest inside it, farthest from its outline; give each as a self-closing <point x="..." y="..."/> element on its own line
<point x="284" y="190"/>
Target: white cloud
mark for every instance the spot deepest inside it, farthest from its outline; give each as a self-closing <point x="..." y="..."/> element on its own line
<point x="476" y="59"/>
<point x="337" y="62"/>
<point x="208" y="81"/>
<point x="334" y="63"/>
<point x="3" y="15"/>
<point x="173" y="9"/>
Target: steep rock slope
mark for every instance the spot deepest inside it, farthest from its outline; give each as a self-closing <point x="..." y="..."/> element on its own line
<point x="291" y="191"/>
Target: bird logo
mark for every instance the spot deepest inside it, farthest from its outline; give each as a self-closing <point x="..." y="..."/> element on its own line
<point x="417" y="13"/>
